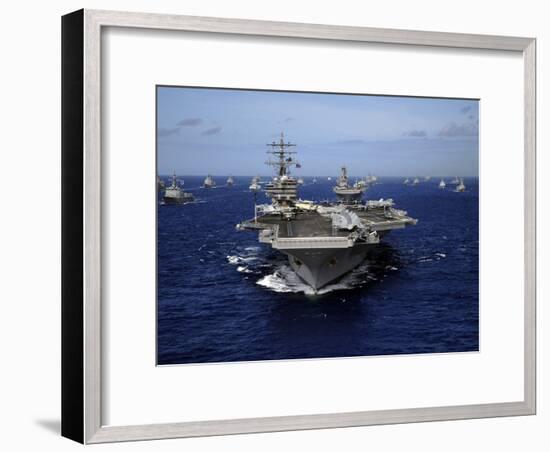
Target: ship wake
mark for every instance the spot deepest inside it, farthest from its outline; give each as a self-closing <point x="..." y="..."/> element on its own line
<point x="274" y="273"/>
<point x="284" y="279"/>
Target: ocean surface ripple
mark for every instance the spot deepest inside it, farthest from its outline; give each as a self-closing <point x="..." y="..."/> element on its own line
<point x="222" y="296"/>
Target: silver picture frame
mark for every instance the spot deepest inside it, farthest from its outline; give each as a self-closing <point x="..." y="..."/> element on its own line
<point x="81" y="225"/>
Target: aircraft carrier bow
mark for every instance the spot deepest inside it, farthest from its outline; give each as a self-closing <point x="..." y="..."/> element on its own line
<point x="323" y="241"/>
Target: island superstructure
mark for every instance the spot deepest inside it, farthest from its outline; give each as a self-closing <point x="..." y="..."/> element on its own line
<point x="323" y="241"/>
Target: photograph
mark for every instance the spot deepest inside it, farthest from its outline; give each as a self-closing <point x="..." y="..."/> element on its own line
<point x="295" y="225"/>
<point x="276" y="226"/>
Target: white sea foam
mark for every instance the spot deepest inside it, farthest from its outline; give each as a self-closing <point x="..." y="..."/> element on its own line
<point x="275" y="283"/>
<point x="233" y="259"/>
<point x="435" y="256"/>
<point x="236" y="260"/>
<point x="242" y="269"/>
<point x="284" y="279"/>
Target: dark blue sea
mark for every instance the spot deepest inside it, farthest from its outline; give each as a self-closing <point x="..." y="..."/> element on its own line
<point x="222" y="296"/>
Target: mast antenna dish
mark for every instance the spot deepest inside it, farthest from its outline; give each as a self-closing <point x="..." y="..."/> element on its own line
<point x="283" y="160"/>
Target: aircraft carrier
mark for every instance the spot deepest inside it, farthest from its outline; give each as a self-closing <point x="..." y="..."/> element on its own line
<point x="323" y="241"/>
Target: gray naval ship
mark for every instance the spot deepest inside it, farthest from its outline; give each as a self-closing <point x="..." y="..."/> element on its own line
<point x="174" y="194"/>
<point x="345" y="192"/>
<point x="323" y="241"/>
<point x="209" y="182"/>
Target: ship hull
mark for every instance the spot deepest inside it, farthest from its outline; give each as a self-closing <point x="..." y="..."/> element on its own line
<point x="180" y="200"/>
<point x="349" y="198"/>
<point x="321" y="266"/>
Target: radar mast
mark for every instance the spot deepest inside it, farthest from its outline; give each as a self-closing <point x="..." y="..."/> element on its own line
<point x="284" y="160"/>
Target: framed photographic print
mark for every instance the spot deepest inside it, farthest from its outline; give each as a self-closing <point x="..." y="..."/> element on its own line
<point x="279" y="226"/>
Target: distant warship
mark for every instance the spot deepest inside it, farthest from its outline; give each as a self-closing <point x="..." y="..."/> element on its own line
<point x="344" y="191"/>
<point x="371" y="179"/>
<point x="255" y="184"/>
<point x="230" y="181"/>
<point x="209" y="182"/>
<point x="174" y="194"/>
<point x="361" y="183"/>
<point x="442" y="184"/>
<point x="322" y="241"/>
<point x="461" y="187"/>
<point x="160" y="184"/>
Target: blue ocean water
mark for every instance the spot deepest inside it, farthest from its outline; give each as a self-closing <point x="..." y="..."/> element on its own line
<point x="222" y="296"/>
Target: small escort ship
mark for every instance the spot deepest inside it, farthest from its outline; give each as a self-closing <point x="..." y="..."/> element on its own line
<point x="371" y="179"/>
<point x="460" y="187"/>
<point x="209" y="182"/>
<point x="322" y="241"/>
<point x="255" y="184"/>
<point x="345" y="192"/>
<point x="174" y="194"/>
<point x="160" y="184"/>
<point x="230" y="181"/>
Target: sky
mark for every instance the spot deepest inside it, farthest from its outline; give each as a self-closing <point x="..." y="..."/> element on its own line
<point x="220" y="132"/>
